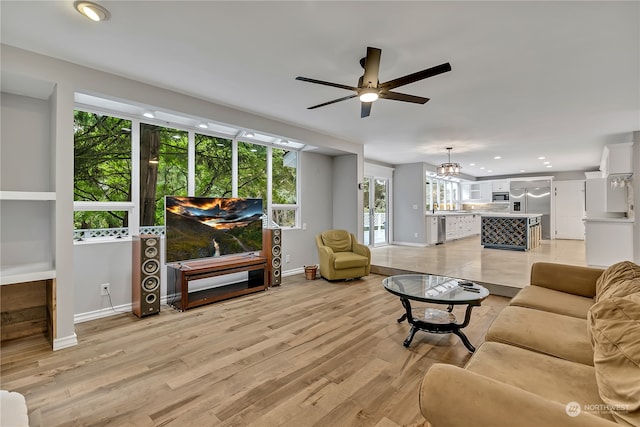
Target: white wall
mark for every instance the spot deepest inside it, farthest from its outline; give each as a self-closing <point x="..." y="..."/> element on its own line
<point x="27" y="73"/>
<point x="346" y="196"/>
<point x="409" y="204"/>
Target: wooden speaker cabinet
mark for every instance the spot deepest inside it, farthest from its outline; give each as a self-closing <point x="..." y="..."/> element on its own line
<point x="272" y="250"/>
<point x="145" y="288"/>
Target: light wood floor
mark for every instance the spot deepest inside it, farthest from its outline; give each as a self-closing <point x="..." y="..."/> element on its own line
<point x="466" y="258"/>
<point x="307" y="353"/>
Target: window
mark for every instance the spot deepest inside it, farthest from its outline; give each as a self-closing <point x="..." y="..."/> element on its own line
<point x="163" y="170"/>
<point x="213" y="166"/>
<point x="284" y="193"/>
<point x="102" y="175"/>
<point x="252" y="171"/>
<point x="105" y="189"/>
<point x="442" y="194"/>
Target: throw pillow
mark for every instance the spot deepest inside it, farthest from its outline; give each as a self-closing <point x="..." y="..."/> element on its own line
<point x="618" y="280"/>
<point x="614" y="325"/>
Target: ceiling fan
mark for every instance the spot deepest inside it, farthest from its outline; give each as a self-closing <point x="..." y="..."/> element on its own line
<point x="369" y="88"/>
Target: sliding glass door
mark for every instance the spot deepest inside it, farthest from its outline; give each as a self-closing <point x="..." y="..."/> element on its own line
<point x="376" y="214"/>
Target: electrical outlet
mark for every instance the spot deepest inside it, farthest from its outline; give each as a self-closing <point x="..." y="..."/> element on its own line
<point x="287" y="258"/>
<point x="105" y="289"/>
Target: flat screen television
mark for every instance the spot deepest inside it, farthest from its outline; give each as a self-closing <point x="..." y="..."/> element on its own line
<point x="204" y="227"/>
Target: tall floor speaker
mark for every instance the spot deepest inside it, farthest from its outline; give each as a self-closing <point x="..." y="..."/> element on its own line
<point x="145" y="289"/>
<point x="272" y="249"/>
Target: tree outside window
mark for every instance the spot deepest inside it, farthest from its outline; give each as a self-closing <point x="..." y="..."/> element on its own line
<point x="252" y="171"/>
<point x="213" y="166"/>
<point x="163" y="170"/>
<point x="102" y="167"/>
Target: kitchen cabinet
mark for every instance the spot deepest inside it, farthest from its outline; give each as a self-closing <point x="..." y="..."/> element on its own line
<point x="501" y="186"/>
<point x="617" y="159"/>
<point x="608" y="240"/>
<point x="477" y="192"/>
<point x="432" y="229"/>
<point x="462" y="225"/>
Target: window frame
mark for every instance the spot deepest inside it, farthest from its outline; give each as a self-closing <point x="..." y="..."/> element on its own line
<point x="132" y="207"/>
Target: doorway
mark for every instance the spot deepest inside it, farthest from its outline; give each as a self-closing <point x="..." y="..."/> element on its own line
<point x="376" y="211"/>
<point x="570" y="208"/>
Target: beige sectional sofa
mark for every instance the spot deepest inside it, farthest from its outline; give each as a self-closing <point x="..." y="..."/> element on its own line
<point x="565" y="352"/>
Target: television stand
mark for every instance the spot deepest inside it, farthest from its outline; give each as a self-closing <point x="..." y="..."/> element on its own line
<point x="179" y="275"/>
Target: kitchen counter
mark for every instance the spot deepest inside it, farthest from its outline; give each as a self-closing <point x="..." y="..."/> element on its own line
<point x="511" y="215"/>
<point x="620" y="220"/>
<point x="447" y="213"/>
<point x="519" y="231"/>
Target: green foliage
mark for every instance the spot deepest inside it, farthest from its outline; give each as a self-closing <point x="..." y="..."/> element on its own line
<point x="284" y="170"/>
<point x="102" y="169"/>
<point x="213" y="166"/>
<point x="252" y="171"/>
<point x="102" y="158"/>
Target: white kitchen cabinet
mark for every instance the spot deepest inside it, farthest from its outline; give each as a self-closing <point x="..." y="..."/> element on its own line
<point x="432" y="229"/>
<point x="476" y="192"/>
<point x="608" y="241"/>
<point x="501" y="186"/>
<point x="617" y="159"/>
<point x="461" y="226"/>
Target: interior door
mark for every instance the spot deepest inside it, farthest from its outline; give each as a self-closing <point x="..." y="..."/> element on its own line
<point x="570" y="209"/>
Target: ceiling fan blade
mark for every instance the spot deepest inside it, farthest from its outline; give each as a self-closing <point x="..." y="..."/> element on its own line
<point x="371" y="67"/>
<point x="320" y="82"/>
<point x="365" y="109"/>
<point x="420" y="75"/>
<point x="332" y="102"/>
<point x="403" y="97"/>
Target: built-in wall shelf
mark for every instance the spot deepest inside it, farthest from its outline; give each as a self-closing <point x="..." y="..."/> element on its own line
<point x="28" y="195"/>
<point x="26" y="273"/>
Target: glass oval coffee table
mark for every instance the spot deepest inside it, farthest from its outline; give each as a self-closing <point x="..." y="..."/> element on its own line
<point x="436" y="290"/>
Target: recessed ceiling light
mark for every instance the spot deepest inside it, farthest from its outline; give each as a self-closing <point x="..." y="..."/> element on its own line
<point x="522" y="170"/>
<point x="497" y="158"/>
<point x="203" y="125"/>
<point x="176" y="136"/>
<point x="253" y="150"/>
<point x="149" y="114"/>
<point x="472" y="164"/>
<point x="549" y="166"/>
<point x="249" y="134"/>
<point x="93" y="11"/>
<point x="489" y="170"/>
<point x="546" y="163"/>
<point x="481" y="167"/>
<point x="541" y="158"/>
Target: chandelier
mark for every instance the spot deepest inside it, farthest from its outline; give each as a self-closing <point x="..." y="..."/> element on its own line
<point x="449" y="169"/>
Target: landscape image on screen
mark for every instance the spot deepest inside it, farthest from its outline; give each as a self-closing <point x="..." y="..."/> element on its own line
<point x="204" y="227"/>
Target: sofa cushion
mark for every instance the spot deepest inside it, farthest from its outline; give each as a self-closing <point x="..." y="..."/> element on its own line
<point x="556" y="379"/>
<point x="549" y="333"/>
<point x="13" y="409"/>
<point x="615" y="328"/>
<point x="553" y="301"/>
<point x="349" y="260"/>
<point x="337" y="240"/>
<point x="618" y="280"/>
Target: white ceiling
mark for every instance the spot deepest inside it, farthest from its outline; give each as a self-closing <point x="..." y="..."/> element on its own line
<point x="529" y="79"/>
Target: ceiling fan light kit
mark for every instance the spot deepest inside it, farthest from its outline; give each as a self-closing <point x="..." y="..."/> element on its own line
<point x="369" y="88"/>
<point x="449" y="168"/>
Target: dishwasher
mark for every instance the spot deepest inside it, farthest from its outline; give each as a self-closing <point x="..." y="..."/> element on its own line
<point x="442" y="229"/>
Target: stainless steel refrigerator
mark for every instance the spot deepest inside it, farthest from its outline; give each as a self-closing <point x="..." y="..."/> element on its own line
<point x="533" y="197"/>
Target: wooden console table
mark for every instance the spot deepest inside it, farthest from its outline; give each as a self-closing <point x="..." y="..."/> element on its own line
<point x="179" y="276"/>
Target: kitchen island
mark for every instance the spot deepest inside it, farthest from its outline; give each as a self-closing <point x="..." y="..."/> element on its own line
<point x="514" y="231"/>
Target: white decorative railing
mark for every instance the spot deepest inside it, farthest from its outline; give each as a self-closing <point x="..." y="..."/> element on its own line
<point x="379" y="221"/>
<point x="91" y="233"/>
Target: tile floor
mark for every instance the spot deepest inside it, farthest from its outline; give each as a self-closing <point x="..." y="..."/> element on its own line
<point x="466" y="258"/>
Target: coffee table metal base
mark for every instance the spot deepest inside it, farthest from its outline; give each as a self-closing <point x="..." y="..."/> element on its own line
<point x="450" y="327"/>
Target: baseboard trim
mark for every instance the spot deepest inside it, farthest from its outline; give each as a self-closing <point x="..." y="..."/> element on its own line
<point x="415" y="245"/>
<point x="109" y="311"/>
<point x="293" y="272"/>
<point x="65" y="342"/>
